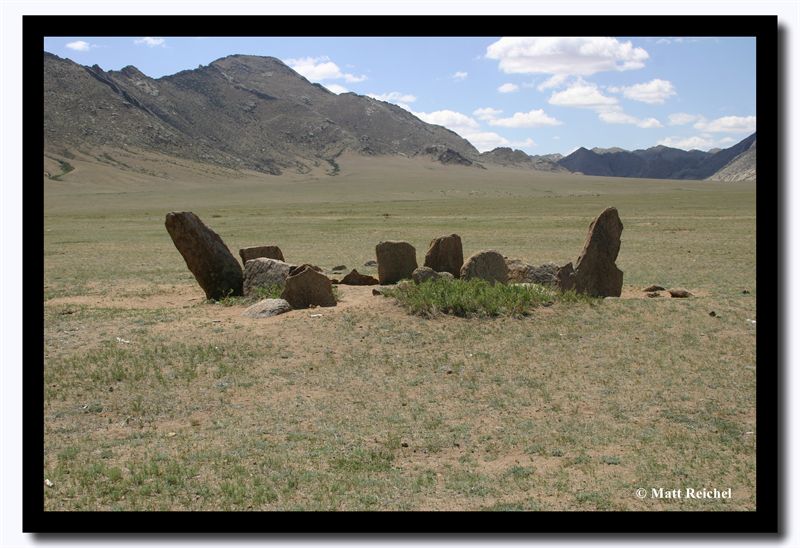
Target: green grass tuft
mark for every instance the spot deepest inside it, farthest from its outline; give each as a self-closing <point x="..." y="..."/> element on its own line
<point x="477" y="298"/>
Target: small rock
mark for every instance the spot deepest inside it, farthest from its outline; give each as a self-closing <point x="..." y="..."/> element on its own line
<point x="679" y="293"/>
<point x="565" y="277"/>
<point x="653" y="288"/>
<point x="653" y="294"/>
<point x="298" y="268"/>
<point x="377" y="291"/>
<point x="423" y="274"/>
<point x="48" y="483"/>
<point x="355" y="278"/>
<point x="371" y="263"/>
<point x="404" y="444"/>
<point x="446" y="276"/>
<point x="745" y="292"/>
<point x="334" y="281"/>
<point x="712" y="314"/>
<point x="340" y="267"/>
<point x="267" y="308"/>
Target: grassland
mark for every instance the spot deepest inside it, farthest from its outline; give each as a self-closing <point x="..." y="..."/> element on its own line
<point x="156" y="399"/>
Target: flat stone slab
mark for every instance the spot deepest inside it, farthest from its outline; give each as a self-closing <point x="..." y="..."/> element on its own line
<point x="267" y="308"/>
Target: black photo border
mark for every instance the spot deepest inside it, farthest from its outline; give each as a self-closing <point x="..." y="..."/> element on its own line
<point x="765" y="519"/>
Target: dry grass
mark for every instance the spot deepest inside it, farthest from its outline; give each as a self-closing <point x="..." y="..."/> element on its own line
<point x="366" y="407"/>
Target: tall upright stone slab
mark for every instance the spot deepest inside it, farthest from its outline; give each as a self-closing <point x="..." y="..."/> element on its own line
<point x="445" y="254"/>
<point x="596" y="272"/>
<point x="396" y="261"/>
<point x="208" y="258"/>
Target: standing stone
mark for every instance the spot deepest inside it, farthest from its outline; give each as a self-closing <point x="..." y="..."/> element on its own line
<point x="307" y="287"/>
<point x="565" y="277"/>
<point x="355" y="278"/>
<point x="396" y="261"/>
<point x="265" y="251"/>
<point x="487" y="265"/>
<point x="445" y="254"/>
<point x="267" y="308"/>
<point x="208" y="258"/>
<point x="596" y="273"/>
<point x="263" y="272"/>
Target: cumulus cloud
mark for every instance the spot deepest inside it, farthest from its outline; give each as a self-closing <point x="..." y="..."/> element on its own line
<point x="393" y="97"/>
<point x="79" y="45"/>
<point x="700" y="142"/>
<point x="487" y="113"/>
<point x="450" y="119"/>
<point x="581" y="56"/>
<point x="553" y="82"/>
<point x="654" y="92"/>
<point x="485" y="140"/>
<point x="336" y="88"/>
<point x="582" y="94"/>
<point x="322" y="68"/>
<point x="508" y="88"/>
<point x="683" y="118"/>
<point x="527" y="143"/>
<point x="533" y="118"/>
<point x="460" y="75"/>
<point x="150" y="41"/>
<point x="728" y="124"/>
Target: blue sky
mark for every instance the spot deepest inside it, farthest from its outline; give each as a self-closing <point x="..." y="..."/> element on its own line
<point x="541" y="95"/>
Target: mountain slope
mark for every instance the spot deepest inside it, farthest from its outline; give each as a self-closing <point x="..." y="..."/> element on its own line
<point x="741" y="168"/>
<point x="659" y="162"/>
<point x="505" y="156"/>
<point x="243" y="112"/>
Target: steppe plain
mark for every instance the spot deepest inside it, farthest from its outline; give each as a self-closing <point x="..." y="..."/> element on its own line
<point x="158" y="400"/>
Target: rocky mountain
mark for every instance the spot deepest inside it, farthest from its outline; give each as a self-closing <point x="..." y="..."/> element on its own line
<point x="504" y="156"/>
<point x="241" y="111"/>
<point x="661" y="162"/>
<point x="740" y="168"/>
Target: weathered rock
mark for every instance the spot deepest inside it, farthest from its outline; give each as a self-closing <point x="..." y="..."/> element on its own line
<point x="487" y="265"/>
<point x="520" y="272"/>
<point x="307" y="287"/>
<point x="445" y="254"/>
<point x="355" y="278"/>
<point x="396" y="261"/>
<point x="262" y="251"/>
<point x="267" y="308"/>
<point x="653" y="288"/>
<point x="298" y="268"/>
<point x="423" y="274"/>
<point x="596" y="273"/>
<point x="263" y="272"/>
<point x="340" y="267"/>
<point x="208" y="258"/>
<point x="679" y="293"/>
<point x="446" y="276"/>
<point x="565" y="277"/>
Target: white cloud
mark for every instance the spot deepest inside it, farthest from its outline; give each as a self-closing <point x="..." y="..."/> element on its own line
<point x="582" y="94"/>
<point x="508" y="88"/>
<point x="683" y="118"/>
<point x="393" y="97"/>
<point x="533" y="118"/>
<point x="450" y="119"/>
<point x="486" y="114"/>
<point x="322" y="68"/>
<point x="615" y="115"/>
<point x="654" y="92"/>
<point x="485" y="140"/>
<point x="527" y="143"/>
<point x="581" y="56"/>
<point x="728" y="124"/>
<point x="648" y="123"/>
<point x="150" y="41"/>
<point x="460" y="75"/>
<point x="553" y="82"/>
<point x="79" y="45"/>
<point x="336" y="88"/>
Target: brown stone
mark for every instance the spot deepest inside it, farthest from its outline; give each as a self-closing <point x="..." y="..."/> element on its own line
<point x="265" y="251"/>
<point x="486" y="265"/>
<point x="653" y="288"/>
<point x="267" y="308"/>
<point x="596" y="273"/>
<point x="307" y="287"/>
<point x="396" y="261"/>
<point x="208" y="258"/>
<point x="355" y="278"/>
<point x="298" y="268"/>
<point x="445" y="254"/>
<point x="261" y="272"/>
<point x="679" y="293"/>
<point x="565" y="277"/>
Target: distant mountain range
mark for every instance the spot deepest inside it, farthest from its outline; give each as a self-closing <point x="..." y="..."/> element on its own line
<point x="256" y="113"/>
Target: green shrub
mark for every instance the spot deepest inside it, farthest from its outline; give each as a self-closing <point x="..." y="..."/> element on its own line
<point x="468" y="298"/>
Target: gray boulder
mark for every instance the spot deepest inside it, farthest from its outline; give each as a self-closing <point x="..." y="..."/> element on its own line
<point x="423" y="274"/>
<point x="267" y="308"/>
<point x="208" y="258"/>
<point x="486" y="265"/>
<point x="396" y="261"/>
<point x="263" y="273"/>
<point x="520" y="272"/>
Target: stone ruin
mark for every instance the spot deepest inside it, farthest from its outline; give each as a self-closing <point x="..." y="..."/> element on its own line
<point x="220" y="275"/>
